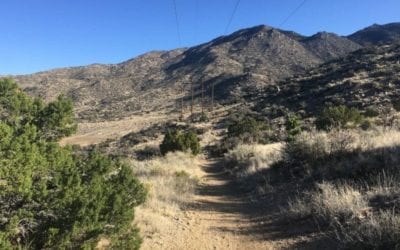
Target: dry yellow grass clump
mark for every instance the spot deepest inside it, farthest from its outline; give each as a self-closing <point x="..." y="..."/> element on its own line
<point x="247" y="163"/>
<point x="330" y="203"/>
<point x="319" y="143"/>
<point x="251" y="158"/>
<point x="171" y="183"/>
<point x="171" y="180"/>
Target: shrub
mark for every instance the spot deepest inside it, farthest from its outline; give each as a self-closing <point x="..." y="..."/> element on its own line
<point x="54" y="197"/>
<point x="248" y="159"/>
<point x="148" y="152"/>
<point x="247" y="129"/>
<point x="337" y="203"/>
<point x="371" y="112"/>
<point x="246" y="125"/>
<point x="338" y="154"/>
<point x="173" y="141"/>
<point x="224" y="146"/>
<point x="191" y="141"/>
<point x="329" y="204"/>
<point x="292" y="126"/>
<point x="303" y="153"/>
<point x="249" y="162"/>
<point x="346" y="212"/>
<point x="338" y="117"/>
<point x="176" y="140"/>
<point x="359" y="206"/>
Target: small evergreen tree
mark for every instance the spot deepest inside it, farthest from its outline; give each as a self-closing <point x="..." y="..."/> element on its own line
<point x="173" y="141"/>
<point x="246" y="125"/>
<point x="192" y="142"/>
<point x="176" y="140"/>
<point x="292" y="126"/>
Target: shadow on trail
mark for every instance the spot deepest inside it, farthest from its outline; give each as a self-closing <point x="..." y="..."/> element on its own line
<point x="219" y="192"/>
<point x="258" y="219"/>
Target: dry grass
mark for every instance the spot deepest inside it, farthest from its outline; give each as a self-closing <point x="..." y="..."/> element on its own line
<point x="255" y="156"/>
<point x="316" y="144"/>
<point x="379" y="231"/>
<point x="338" y="203"/>
<point x="247" y="163"/>
<point x="361" y="211"/>
<point x="330" y="204"/>
<point x="171" y="182"/>
<point x="338" y="154"/>
<point x="348" y="213"/>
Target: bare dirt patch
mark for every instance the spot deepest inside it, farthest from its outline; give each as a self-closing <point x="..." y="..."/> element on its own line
<point x="97" y="132"/>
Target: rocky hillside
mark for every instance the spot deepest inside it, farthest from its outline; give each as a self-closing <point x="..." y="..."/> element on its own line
<point x="247" y="59"/>
<point x="377" y="34"/>
<point x="329" y="46"/>
<point x="367" y="79"/>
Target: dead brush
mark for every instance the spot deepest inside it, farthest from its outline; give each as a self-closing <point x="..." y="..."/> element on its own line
<point x="329" y="204"/>
<point x="248" y="163"/>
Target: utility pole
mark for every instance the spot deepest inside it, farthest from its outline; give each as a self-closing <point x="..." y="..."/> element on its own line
<point x="212" y="97"/>
<point x="202" y="97"/>
<point x="192" y="93"/>
<point x="140" y="103"/>
<point x="182" y="95"/>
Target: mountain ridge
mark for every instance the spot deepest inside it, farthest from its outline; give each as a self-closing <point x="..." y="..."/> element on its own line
<point x="377" y="34"/>
<point x="246" y="59"/>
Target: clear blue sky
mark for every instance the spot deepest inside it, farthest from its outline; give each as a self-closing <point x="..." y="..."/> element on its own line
<point x="43" y="34"/>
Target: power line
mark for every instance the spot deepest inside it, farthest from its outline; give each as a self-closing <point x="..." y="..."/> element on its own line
<point x="180" y="44"/>
<point x="196" y="19"/>
<point x="177" y="22"/>
<point x="232" y="16"/>
<point x="292" y="13"/>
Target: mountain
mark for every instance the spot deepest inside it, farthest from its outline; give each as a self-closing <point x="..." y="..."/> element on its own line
<point x="234" y="65"/>
<point x="329" y="46"/>
<point x="367" y="79"/>
<point x="377" y="34"/>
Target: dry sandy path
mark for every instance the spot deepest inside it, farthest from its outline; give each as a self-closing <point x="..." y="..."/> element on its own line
<point x="219" y="218"/>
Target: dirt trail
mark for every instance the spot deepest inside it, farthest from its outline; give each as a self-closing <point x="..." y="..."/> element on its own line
<point x="219" y="218"/>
